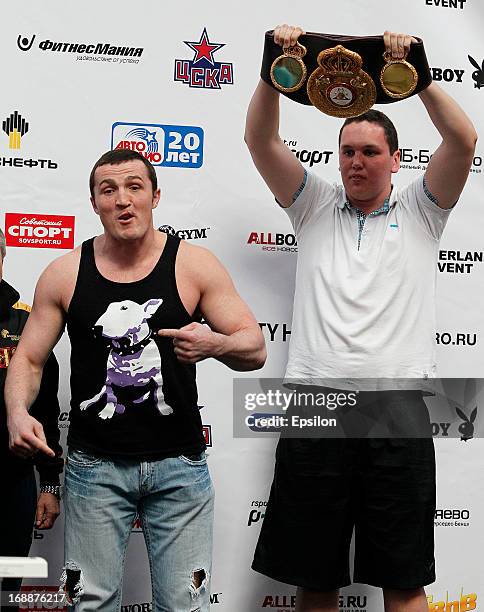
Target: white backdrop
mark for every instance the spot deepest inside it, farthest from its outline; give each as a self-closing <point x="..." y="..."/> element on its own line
<point x="72" y="96"/>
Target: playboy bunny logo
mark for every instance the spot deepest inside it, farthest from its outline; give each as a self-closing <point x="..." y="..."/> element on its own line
<point x="23" y="43"/>
<point x="467" y="427"/>
<point x="477" y="75"/>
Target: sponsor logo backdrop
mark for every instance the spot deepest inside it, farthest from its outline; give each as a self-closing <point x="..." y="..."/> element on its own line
<point x="78" y="81"/>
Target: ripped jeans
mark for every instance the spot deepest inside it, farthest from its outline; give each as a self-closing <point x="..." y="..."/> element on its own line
<point x="174" y="499"/>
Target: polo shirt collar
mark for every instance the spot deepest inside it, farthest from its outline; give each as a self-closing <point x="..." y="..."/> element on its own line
<point x="388" y="203"/>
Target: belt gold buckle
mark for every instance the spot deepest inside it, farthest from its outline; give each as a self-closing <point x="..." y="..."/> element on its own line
<point x="288" y="71"/>
<point x="398" y="78"/>
<point x="339" y="87"/>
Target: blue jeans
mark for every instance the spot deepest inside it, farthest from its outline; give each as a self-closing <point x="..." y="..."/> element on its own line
<point x="174" y="499"/>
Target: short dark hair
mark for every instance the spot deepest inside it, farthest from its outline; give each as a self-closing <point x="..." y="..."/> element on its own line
<point x="118" y="156"/>
<point x="374" y="116"/>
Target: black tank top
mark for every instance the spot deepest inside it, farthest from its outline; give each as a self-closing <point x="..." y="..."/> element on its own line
<point x="130" y="396"/>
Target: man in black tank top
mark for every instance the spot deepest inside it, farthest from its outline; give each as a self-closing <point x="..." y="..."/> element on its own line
<point x="132" y="300"/>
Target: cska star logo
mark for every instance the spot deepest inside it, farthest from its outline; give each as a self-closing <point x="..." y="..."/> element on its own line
<point x="203" y="71"/>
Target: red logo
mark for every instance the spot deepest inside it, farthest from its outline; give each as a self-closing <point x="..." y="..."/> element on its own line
<point x="203" y="71"/>
<point x="271" y="239"/>
<point x="137" y="525"/>
<point x="285" y="603"/>
<point x="39" y="231"/>
<point x="207" y="434"/>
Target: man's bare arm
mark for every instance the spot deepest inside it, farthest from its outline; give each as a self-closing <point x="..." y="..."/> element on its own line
<point x="42" y="331"/>
<point x="278" y="166"/>
<point x="449" y="166"/>
<point x="234" y="336"/>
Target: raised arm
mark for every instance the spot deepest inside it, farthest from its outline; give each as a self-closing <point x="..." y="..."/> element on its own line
<point x="278" y="166"/>
<point x="449" y="166"/>
<point x="42" y="330"/>
<point x="234" y="336"/>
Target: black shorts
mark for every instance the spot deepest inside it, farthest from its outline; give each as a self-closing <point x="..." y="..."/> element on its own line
<point x="382" y="488"/>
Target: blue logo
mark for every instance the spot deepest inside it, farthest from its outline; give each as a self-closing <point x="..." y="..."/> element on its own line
<point x="203" y="71"/>
<point x="173" y="146"/>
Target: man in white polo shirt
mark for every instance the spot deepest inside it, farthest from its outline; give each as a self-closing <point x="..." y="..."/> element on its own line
<point x="363" y="308"/>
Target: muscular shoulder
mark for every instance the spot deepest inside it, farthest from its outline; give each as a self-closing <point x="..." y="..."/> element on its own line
<point x="195" y="257"/>
<point x="64" y="266"/>
<point x="58" y="280"/>
<point x="197" y="263"/>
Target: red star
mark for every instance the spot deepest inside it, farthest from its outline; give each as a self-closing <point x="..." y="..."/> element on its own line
<point x="204" y="49"/>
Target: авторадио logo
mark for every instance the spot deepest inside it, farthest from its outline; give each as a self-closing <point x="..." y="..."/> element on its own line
<point x="179" y="146"/>
<point x="15" y="127"/>
<point x="203" y="71"/>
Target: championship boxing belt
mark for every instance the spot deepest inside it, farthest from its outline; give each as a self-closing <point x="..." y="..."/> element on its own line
<point x="343" y="76"/>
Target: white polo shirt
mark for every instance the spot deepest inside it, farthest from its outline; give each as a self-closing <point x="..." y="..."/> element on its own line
<point x="364" y="306"/>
